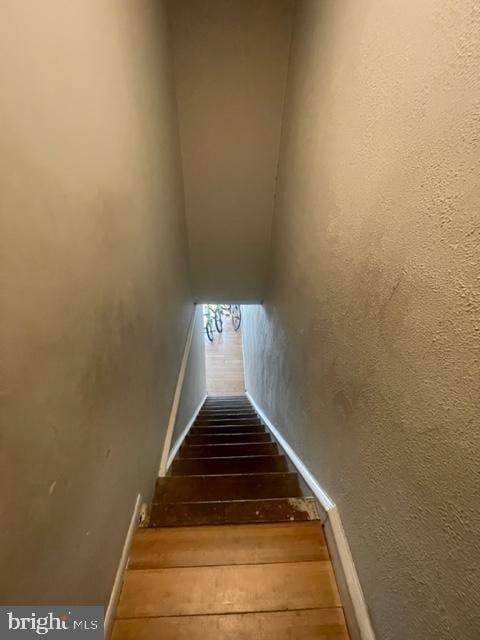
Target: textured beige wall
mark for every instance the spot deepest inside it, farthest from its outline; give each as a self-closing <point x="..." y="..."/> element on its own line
<point x="367" y="351"/>
<point x="231" y="64"/>
<point x="195" y="382"/>
<point x="94" y="303"/>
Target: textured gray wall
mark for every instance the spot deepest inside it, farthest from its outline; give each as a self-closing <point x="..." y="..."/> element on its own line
<point x="367" y="351"/>
<point x="94" y="303"/>
<point x="195" y="382"/>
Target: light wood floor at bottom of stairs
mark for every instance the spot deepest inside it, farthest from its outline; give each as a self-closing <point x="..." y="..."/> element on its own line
<point x="230" y="582"/>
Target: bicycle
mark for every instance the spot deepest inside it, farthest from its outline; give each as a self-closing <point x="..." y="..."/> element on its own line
<point x="212" y="314"/>
<point x="236" y="314"/>
<point x="234" y="311"/>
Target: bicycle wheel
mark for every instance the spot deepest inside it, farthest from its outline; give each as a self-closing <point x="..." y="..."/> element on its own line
<point x="236" y="316"/>
<point x="209" y="330"/>
<point x="218" y="320"/>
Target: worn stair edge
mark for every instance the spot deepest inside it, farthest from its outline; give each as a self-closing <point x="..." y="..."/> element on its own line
<point x="233" y="512"/>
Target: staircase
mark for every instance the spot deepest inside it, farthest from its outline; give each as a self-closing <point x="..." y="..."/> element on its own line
<point x="234" y="548"/>
<point x="229" y="471"/>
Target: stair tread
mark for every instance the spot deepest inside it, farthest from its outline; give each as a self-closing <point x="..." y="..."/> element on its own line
<point x="232" y="544"/>
<point x="253" y="587"/>
<point x="309" y="624"/>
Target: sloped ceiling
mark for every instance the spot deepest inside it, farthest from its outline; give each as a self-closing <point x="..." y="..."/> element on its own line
<point x="231" y="60"/>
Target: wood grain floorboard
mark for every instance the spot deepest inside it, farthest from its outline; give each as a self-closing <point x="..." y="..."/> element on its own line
<point x="224" y="362"/>
<point x="229" y="545"/>
<point x="228" y="589"/>
<point x="313" y="624"/>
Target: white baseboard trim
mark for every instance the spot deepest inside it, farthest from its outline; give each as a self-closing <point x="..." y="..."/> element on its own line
<point x="321" y="495"/>
<point x="182" y="436"/>
<point x="118" y="582"/>
<point x="362" y="627"/>
<point x="177" y="396"/>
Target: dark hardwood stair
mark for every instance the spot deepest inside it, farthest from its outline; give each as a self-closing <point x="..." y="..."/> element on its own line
<point x="241" y="486"/>
<point x="226" y="450"/>
<point x="218" y="512"/>
<point x="232" y="420"/>
<point x="227" y="438"/>
<point x="229" y="470"/>
<point x="212" y="430"/>
<point x="235" y="464"/>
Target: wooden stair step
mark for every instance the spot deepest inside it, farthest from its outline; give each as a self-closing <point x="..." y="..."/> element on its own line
<point x="251" y="587"/>
<point x="224" y="438"/>
<point x="232" y="426"/>
<point x="228" y="417"/>
<point x="233" y="512"/>
<point x="227" y="487"/>
<point x="234" y="544"/>
<point x="307" y="624"/>
<point x="228" y="420"/>
<point x="228" y="450"/>
<point x="221" y="412"/>
<point x="227" y="398"/>
<point x="228" y="406"/>
<point x="237" y="406"/>
<point x="253" y="428"/>
<point x="242" y="408"/>
<point x="237" y="464"/>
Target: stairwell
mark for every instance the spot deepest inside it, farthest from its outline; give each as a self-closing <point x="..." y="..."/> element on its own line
<point x="234" y="547"/>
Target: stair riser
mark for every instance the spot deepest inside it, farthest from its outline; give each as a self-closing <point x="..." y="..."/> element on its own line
<point x="227" y="415"/>
<point x="226" y="438"/>
<point x="243" y="406"/>
<point x="228" y="487"/>
<point x="227" y="410"/>
<point x="232" y="427"/>
<point x="209" y="430"/>
<point x="211" y="466"/>
<point x="219" y="421"/>
<point x="241" y="397"/>
<point x="224" y="410"/>
<point x="228" y="406"/>
<point x="228" y="450"/>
